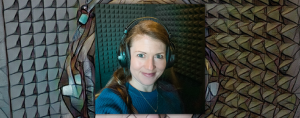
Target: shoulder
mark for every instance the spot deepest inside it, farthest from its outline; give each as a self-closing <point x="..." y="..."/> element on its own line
<point x="168" y="89"/>
<point x="171" y="96"/>
<point x="166" y="86"/>
<point x="107" y="92"/>
<point x="108" y="102"/>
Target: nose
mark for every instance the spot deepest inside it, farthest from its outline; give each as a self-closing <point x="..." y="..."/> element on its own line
<point x="149" y="64"/>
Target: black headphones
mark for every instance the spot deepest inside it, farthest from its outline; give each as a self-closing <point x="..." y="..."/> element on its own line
<point x="124" y="53"/>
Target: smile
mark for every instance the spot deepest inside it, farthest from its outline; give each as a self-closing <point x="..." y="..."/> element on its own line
<point x="148" y="74"/>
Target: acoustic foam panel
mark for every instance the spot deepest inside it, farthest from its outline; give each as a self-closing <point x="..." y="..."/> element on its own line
<point x="111" y="21"/>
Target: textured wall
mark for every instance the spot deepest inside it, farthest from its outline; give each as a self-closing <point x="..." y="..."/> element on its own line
<point x="4" y="82"/>
<point x="146" y="2"/>
<point x="252" y="58"/>
<point x="36" y="37"/>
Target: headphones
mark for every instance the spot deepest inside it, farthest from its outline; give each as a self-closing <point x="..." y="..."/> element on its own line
<point x="124" y="53"/>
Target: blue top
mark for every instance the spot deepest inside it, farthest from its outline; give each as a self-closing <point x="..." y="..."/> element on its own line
<point x="168" y="101"/>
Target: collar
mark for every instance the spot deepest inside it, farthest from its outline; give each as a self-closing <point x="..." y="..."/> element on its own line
<point x="135" y="93"/>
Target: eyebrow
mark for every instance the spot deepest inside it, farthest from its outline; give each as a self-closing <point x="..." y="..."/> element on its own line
<point x="145" y="52"/>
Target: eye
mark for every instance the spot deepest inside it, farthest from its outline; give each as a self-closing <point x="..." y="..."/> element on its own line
<point x="160" y="56"/>
<point x="141" y="55"/>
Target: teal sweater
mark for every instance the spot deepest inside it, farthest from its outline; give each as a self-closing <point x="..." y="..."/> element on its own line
<point x="168" y="101"/>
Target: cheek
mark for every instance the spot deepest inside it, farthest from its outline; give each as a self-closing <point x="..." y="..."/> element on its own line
<point x="135" y="63"/>
<point x="160" y="64"/>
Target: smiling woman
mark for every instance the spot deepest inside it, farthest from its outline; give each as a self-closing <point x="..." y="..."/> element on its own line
<point x="138" y="86"/>
<point x="147" y="62"/>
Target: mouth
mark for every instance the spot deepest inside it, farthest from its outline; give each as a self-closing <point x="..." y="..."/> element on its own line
<point x="148" y="74"/>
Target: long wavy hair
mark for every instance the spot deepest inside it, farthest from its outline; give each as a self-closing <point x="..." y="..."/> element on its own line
<point x="123" y="75"/>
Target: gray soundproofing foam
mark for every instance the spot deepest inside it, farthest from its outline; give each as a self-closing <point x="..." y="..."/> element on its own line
<point x="186" y="24"/>
<point x="110" y="21"/>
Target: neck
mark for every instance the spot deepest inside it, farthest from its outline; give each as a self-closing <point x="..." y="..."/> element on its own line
<point x="141" y="87"/>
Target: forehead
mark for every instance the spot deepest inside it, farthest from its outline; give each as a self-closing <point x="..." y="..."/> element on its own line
<point x="145" y="41"/>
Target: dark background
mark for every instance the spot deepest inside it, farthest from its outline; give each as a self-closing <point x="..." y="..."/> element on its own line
<point x="184" y="22"/>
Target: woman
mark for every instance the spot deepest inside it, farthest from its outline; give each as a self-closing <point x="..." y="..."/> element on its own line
<point x="140" y="88"/>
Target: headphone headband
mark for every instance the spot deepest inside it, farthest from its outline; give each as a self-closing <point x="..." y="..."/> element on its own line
<point x="137" y="20"/>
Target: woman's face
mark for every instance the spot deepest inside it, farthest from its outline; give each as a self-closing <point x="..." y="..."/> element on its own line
<point x="148" y="59"/>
